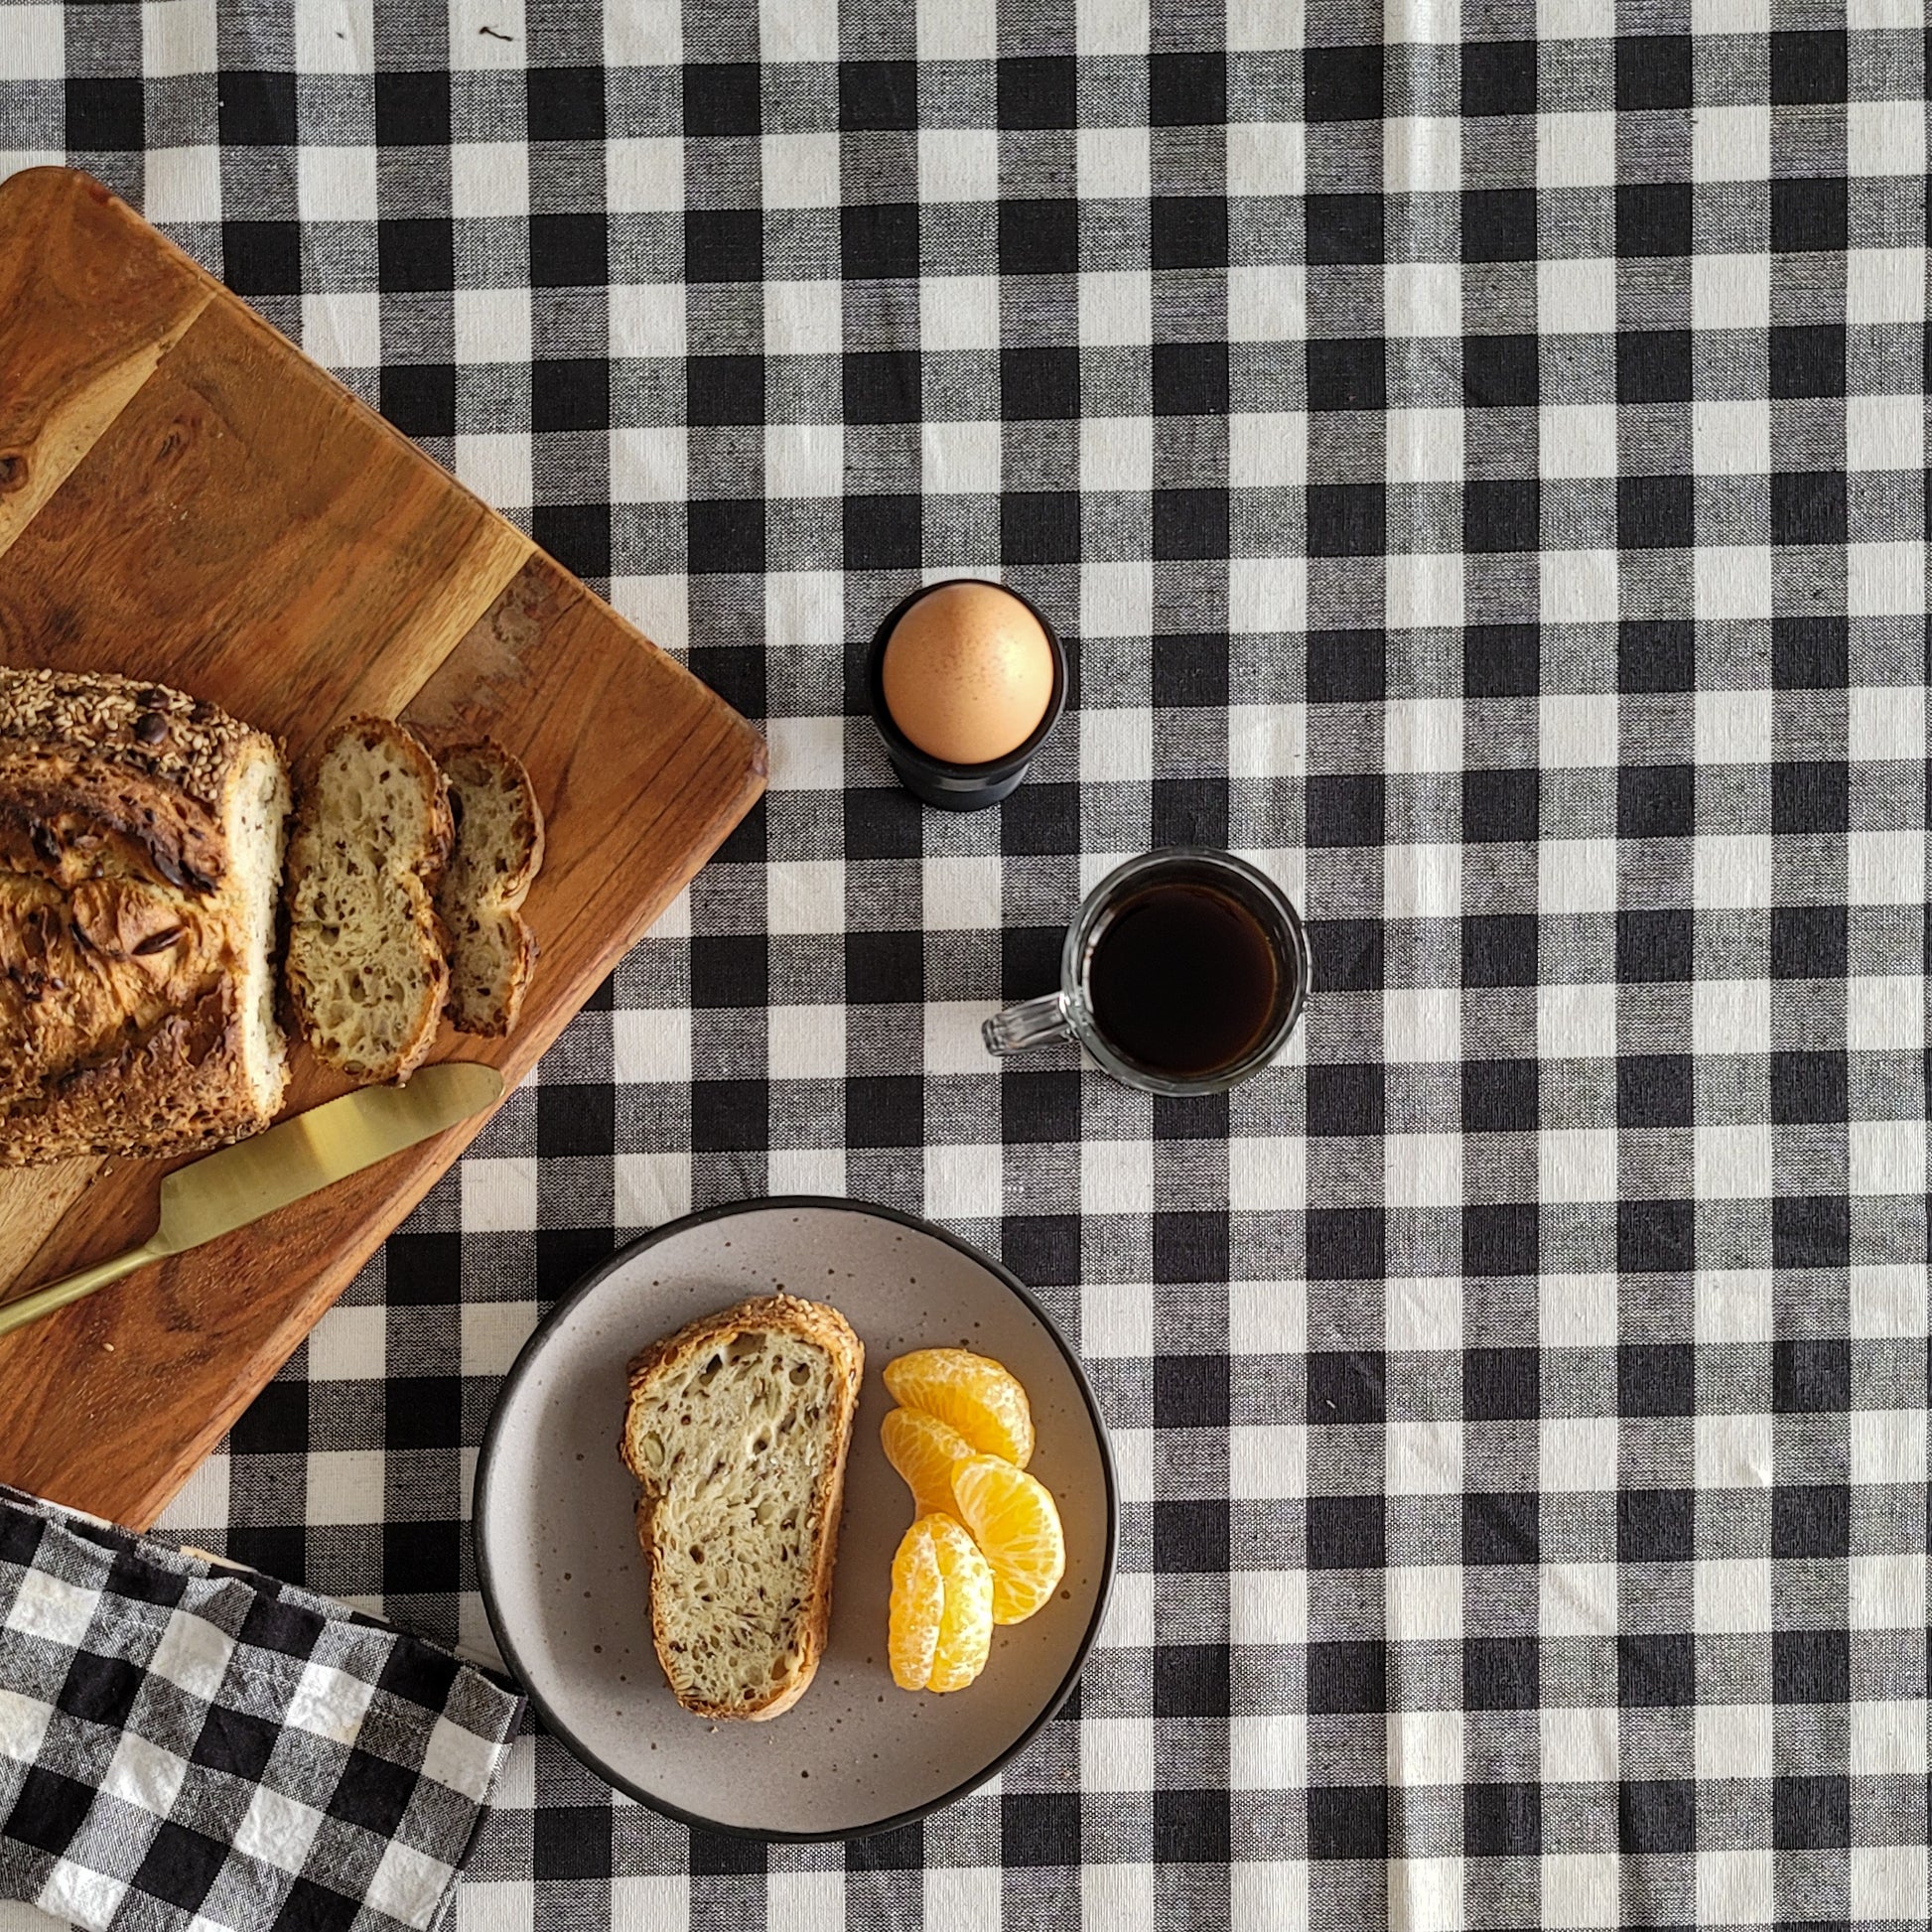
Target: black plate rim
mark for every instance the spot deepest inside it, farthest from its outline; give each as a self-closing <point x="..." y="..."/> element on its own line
<point x="526" y="1357"/>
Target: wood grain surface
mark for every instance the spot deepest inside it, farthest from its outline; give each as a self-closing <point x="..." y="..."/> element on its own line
<point x="84" y="322"/>
<point x="185" y="497"/>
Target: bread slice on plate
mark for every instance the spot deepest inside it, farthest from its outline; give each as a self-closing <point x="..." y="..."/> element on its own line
<point x="738" y="1427"/>
<point x="366" y="970"/>
<point x="498" y="847"/>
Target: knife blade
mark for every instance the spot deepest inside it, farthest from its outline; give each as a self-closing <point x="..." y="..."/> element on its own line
<point x="229" y="1190"/>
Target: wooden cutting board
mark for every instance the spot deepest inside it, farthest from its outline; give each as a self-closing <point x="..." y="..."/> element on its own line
<point x="185" y="497"/>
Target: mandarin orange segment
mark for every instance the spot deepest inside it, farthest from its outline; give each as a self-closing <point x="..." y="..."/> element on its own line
<point x="918" y="1604"/>
<point x="1014" y="1521"/>
<point x="966" y="1625"/>
<point x="970" y="1393"/>
<point x="941" y="1622"/>
<point x="924" y="1450"/>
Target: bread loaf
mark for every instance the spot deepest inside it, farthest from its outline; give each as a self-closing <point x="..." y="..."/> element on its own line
<point x="737" y="1428"/>
<point x="498" y="847"/>
<point x="366" y="970"/>
<point x="140" y="849"/>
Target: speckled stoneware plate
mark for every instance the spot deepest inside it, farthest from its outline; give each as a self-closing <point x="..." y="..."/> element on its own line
<point x="565" y="1584"/>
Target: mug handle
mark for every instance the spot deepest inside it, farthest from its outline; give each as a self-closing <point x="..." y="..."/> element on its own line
<point x="1031" y="1022"/>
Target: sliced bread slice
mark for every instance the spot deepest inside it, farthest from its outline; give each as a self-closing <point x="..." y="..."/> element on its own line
<point x="737" y="1428"/>
<point x="367" y="971"/>
<point x="498" y="847"/>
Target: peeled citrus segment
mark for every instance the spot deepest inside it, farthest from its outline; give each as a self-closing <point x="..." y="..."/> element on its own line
<point x="940" y="1625"/>
<point x="918" y="1604"/>
<point x="924" y="1450"/>
<point x="966" y="1624"/>
<point x="1014" y="1521"/>
<point x="970" y="1393"/>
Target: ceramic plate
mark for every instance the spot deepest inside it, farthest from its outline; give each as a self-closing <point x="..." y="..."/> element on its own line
<point x="565" y="1584"/>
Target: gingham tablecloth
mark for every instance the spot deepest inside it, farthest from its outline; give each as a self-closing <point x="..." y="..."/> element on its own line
<point x="1477" y="461"/>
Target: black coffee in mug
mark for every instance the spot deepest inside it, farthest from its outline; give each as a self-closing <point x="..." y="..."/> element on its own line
<point x="1183" y="974"/>
<point x="1183" y="979"/>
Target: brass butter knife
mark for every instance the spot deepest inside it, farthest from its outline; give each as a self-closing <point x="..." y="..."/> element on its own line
<point x="226" y="1191"/>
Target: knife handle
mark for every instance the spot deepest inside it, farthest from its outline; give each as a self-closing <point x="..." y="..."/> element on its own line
<point x="82" y="1282"/>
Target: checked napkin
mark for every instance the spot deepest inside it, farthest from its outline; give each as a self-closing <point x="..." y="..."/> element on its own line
<point x="186" y="1745"/>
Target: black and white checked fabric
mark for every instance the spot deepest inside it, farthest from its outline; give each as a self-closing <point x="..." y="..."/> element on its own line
<point x="1475" y="451"/>
<point x="184" y="1746"/>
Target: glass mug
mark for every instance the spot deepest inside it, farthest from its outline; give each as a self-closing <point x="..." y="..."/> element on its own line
<point x="1184" y="973"/>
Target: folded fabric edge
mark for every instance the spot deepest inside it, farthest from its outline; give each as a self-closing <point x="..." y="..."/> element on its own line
<point x="188" y="1560"/>
<point x="505" y="1703"/>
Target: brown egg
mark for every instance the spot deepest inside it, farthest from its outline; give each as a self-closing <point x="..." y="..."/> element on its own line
<point x="968" y="673"/>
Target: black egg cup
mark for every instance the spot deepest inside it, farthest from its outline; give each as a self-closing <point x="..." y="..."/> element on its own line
<point x="959" y="787"/>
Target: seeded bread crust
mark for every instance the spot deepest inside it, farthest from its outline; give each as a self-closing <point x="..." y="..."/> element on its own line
<point x="99" y="772"/>
<point x="497" y="856"/>
<point x="810" y="1321"/>
<point x="135" y="982"/>
<point x="323" y="871"/>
